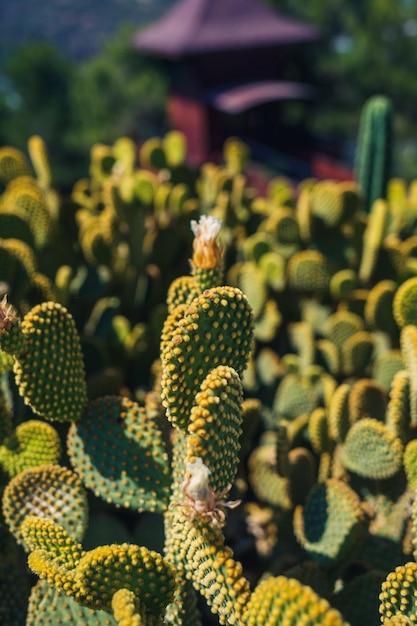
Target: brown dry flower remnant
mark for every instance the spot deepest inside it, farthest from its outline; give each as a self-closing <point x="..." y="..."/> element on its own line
<point x="7" y="315"/>
<point x="207" y="251"/>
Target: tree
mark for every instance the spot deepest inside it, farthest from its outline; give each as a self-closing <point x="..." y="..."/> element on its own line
<point x="119" y="92"/>
<point x="368" y="47"/>
<point x="35" y="100"/>
<point x="73" y="105"/>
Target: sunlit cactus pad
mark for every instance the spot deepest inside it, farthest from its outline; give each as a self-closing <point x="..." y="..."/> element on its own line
<point x="93" y="577"/>
<point x="399" y="592"/>
<point x="50" y="372"/>
<point x="32" y="443"/>
<point x="280" y="600"/>
<point x="215" y="425"/>
<point x="371" y="451"/>
<point x="198" y="547"/>
<point x="216" y="329"/>
<point x="50" y="491"/>
<point x="330" y="524"/>
<point x="118" y="451"/>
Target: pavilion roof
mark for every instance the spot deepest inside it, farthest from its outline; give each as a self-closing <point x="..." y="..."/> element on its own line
<point x="198" y="26"/>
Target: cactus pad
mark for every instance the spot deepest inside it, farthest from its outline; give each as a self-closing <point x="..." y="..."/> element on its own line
<point x="330" y="524"/>
<point x="398" y="595"/>
<point x="215" y="426"/>
<point x="118" y="451"/>
<point x="93" y="577"/>
<point x="49" y="607"/>
<point x="198" y="547"/>
<point x="371" y="451"/>
<point x="405" y="303"/>
<point x="32" y="443"/>
<point x="216" y="329"/>
<point x="280" y="600"/>
<point x="50" y="372"/>
<point x="48" y="491"/>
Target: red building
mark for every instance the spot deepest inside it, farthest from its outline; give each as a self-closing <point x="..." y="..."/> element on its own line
<point x="236" y="71"/>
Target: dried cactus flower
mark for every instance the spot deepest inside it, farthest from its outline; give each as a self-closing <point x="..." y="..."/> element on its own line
<point x="12" y="340"/>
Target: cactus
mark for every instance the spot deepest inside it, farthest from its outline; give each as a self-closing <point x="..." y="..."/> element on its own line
<point x="370" y="451"/>
<point x="373" y="159"/>
<point x="278" y="372"/>
<point x="330" y="532"/>
<point x="49" y="368"/>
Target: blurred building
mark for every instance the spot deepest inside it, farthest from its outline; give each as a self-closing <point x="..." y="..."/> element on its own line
<point x="235" y="68"/>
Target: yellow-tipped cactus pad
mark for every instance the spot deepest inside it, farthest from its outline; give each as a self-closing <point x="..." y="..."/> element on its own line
<point x="216" y="329"/>
<point x="93" y="577"/>
<point x="33" y="443"/>
<point x="50" y="491"/>
<point x="50" y="372"/>
<point x="279" y="600"/>
<point x="405" y="303"/>
<point x="215" y="425"/>
<point x="398" y="595"/>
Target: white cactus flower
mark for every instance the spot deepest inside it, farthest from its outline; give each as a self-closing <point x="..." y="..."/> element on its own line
<point x="207" y="228"/>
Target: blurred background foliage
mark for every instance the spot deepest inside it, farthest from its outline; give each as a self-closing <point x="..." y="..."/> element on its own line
<point x="368" y="47"/>
<point x="73" y="104"/>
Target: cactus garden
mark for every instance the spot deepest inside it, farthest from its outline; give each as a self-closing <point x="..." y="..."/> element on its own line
<point x="208" y="394"/>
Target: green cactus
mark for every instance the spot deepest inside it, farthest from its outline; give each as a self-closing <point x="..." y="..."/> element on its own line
<point x="373" y="239"/>
<point x="397" y="596"/>
<point x="207" y="316"/>
<point x="379" y="313"/>
<point x="404" y="303"/>
<point x="47" y="605"/>
<point x="409" y="354"/>
<point x="373" y="159"/>
<point x="49" y="368"/>
<point x="398" y="410"/>
<point x="32" y="443"/>
<point x="117" y="466"/>
<point x="92" y="577"/>
<point x="371" y="451"/>
<point x="331" y="523"/>
<point x="308" y="271"/>
<point x="285" y="600"/>
<point x="13" y="163"/>
<point x="291" y="388"/>
<point x="52" y="491"/>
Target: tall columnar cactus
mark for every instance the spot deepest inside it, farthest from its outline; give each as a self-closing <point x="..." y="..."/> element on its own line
<point x="374" y="149"/>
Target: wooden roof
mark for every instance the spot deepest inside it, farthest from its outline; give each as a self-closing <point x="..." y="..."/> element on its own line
<point x="198" y="26"/>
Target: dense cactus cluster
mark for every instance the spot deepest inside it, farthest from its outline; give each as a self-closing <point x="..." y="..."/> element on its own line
<point x="208" y="396"/>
